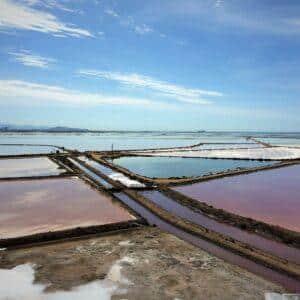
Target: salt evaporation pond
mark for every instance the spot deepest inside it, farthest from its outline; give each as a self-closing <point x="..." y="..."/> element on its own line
<point x="290" y="142"/>
<point x="27" y="167"/>
<point x="174" y="207"/>
<point x="35" y="206"/>
<point x="26" y="149"/>
<point x="166" y="167"/>
<point x="271" y="196"/>
<point x="101" y="141"/>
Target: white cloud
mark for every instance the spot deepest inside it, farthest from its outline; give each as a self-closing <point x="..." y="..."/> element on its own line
<point x="21" y="16"/>
<point x="142" y="29"/>
<point x="41" y="93"/>
<point x="101" y="34"/>
<point x="29" y="59"/>
<point x="50" y="4"/>
<point x="111" y="12"/>
<point x="219" y="3"/>
<point x="179" y="93"/>
<point x="128" y="21"/>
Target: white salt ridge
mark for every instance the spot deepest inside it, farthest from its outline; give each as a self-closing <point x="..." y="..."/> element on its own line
<point x="17" y="283"/>
<point x="276" y="153"/>
<point x="125" y="243"/>
<point x="126" y="180"/>
<point x="276" y="296"/>
<point x="228" y="146"/>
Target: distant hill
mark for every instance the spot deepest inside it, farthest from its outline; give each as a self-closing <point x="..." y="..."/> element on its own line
<point x="66" y="129"/>
<point x="30" y="128"/>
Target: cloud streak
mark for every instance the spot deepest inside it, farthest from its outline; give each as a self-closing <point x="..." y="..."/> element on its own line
<point x="41" y="93"/>
<point x="29" y="59"/>
<point x="180" y="93"/>
<point x="15" y="15"/>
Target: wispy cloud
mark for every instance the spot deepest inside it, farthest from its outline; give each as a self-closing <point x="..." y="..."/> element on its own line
<point x="180" y="93"/>
<point x="17" y="15"/>
<point x="129" y="21"/>
<point x="111" y="12"/>
<point x="142" y="29"/>
<point x="29" y="59"/>
<point x="51" y="4"/>
<point x="41" y="93"/>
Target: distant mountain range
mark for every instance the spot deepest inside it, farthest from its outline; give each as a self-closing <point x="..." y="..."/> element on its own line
<point x="6" y="127"/>
<point x="29" y="128"/>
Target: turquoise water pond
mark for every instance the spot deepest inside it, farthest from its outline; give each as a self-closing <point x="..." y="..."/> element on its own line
<point x="165" y="167"/>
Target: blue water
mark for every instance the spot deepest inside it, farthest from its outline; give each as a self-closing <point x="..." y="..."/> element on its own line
<point x="135" y="140"/>
<point x="166" y="167"/>
<point x="19" y="150"/>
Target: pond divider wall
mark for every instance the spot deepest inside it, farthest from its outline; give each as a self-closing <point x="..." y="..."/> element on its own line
<point x="240" y="248"/>
<point x="258" y="227"/>
<point x="52" y="236"/>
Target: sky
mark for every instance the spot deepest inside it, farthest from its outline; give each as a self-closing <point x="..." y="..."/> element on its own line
<point x="151" y="65"/>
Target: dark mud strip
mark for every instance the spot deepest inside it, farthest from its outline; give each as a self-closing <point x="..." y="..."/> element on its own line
<point x="61" y="164"/>
<point x="289" y="283"/>
<point x="273" y="247"/>
<point x="67" y="234"/>
<point x="63" y="175"/>
<point x="25" y="155"/>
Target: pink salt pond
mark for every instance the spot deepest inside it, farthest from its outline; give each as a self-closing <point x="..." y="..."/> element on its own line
<point x="35" y="206"/>
<point x="271" y="196"/>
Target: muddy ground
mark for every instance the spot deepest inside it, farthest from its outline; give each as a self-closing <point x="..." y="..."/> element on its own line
<point x="152" y="265"/>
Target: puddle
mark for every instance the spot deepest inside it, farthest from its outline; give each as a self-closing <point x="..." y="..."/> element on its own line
<point x="271" y="196"/>
<point x="18" y="283"/>
<point x="166" y="167"/>
<point x="27" y="167"/>
<point x="279" y="249"/>
<point x="34" y="206"/>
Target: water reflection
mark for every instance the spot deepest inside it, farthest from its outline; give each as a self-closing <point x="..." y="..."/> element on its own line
<point x="27" y="167"/>
<point x="165" y="167"/>
<point x="271" y="196"/>
<point x="28" y="207"/>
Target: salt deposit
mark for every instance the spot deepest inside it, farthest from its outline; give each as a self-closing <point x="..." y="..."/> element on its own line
<point x="274" y="153"/>
<point x="126" y="180"/>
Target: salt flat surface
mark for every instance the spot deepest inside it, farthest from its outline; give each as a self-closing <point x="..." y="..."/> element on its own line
<point x="126" y="180"/>
<point x="26" y="167"/>
<point x="18" y="283"/>
<point x="228" y="146"/>
<point x="276" y="153"/>
<point x="35" y="206"/>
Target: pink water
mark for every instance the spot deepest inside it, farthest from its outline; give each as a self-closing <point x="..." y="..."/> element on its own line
<point x="271" y="196"/>
<point x="34" y="206"/>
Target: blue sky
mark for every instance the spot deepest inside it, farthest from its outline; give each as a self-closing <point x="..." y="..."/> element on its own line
<point x="151" y="65"/>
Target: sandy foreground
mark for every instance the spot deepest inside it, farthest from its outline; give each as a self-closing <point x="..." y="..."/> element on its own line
<point x="139" y="264"/>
